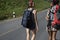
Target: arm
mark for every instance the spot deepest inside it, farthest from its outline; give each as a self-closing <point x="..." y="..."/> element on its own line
<point x="47" y="16"/>
<point x="35" y="17"/>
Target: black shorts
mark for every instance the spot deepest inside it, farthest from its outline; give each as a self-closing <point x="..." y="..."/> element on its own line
<point x="31" y="25"/>
<point x="49" y="27"/>
<point x="49" y="23"/>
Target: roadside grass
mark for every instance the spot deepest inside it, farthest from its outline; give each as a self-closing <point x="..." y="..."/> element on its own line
<point x="19" y="7"/>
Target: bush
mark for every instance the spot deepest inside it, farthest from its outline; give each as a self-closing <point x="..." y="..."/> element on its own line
<point x="8" y="6"/>
<point x="3" y="17"/>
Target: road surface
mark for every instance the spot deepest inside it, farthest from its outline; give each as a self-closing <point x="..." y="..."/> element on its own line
<point x="12" y="29"/>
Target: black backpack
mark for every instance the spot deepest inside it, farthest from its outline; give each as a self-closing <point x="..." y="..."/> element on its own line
<point x="26" y="17"/>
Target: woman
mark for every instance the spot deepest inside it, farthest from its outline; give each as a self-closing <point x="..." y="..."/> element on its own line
<point x="52" y="27"/>
<point x="49" y="20"/>
<point x="34" y="27"/>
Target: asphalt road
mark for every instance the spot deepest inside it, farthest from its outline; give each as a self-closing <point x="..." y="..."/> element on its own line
<point x="12" y="29"/>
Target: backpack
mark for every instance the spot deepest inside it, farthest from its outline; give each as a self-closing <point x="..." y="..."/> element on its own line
<point x="56" y="16"/>
<point x="26" y="17"/>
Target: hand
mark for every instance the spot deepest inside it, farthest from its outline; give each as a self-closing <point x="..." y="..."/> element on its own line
<point x="47" y="18"/>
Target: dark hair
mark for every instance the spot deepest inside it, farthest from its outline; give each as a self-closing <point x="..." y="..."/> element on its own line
<point x="30" y="4"/>
<point x="55" y="2"/>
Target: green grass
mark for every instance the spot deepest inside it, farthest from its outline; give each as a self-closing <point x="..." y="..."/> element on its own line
<point x="8" y="6"/>
<point x="41" y="5"/>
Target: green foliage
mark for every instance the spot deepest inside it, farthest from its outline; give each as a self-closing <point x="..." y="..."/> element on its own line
<point x="8" y="6"/>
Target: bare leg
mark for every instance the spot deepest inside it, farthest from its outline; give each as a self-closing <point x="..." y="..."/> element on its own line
<point x="28" y="34"/>
<point x="50" y="35"/>
<point x="54" y="35"/>
<point x="33" y="34"/>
